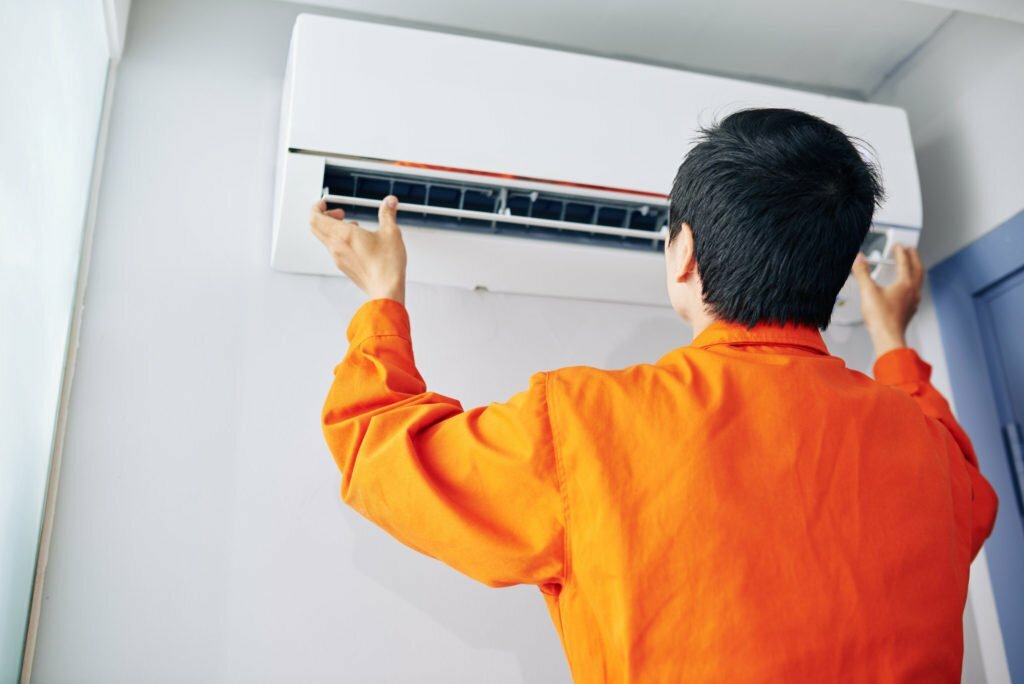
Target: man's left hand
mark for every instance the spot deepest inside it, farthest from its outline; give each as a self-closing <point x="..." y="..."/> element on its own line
<point x="373" y="260"/>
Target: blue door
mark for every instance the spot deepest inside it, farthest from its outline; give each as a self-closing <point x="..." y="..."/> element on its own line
<point x="979" y="294"/>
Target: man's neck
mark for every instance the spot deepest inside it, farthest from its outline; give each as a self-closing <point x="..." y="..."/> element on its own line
<point x="701" y="321"/>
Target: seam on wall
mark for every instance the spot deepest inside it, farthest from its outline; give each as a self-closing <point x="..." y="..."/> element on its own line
<point x="909" y="57"/>
<point x="70" y="358"/>
<point x="982" y="603"/>
<point x="110" y="24"/>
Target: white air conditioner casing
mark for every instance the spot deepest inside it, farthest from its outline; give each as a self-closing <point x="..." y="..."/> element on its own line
<point x="532" y="125"/>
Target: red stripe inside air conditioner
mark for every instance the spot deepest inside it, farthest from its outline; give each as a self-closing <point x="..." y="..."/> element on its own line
<point x="492" y="174"/>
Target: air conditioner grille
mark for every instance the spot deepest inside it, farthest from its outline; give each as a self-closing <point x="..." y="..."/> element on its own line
<point x="581" y="211"/>
<point x="539" y="213"/>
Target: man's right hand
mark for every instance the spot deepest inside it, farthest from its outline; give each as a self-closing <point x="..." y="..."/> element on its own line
<point x="887" y="310"/>
<point x="373" y="260"/>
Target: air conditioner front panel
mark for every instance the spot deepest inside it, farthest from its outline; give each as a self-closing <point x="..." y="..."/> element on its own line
<point x="491" y="106"/>
<point x="554" y="133"/>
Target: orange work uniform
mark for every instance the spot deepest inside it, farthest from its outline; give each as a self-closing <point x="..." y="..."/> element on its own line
<point x="746" y="509"/>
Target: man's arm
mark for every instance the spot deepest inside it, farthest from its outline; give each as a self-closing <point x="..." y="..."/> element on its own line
<point x="481" y="489"/>
<point x="887" y="312"/>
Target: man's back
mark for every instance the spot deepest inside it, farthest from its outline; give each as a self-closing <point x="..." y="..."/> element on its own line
<point x="746" y="509"/>
<point x="750" y="509"/>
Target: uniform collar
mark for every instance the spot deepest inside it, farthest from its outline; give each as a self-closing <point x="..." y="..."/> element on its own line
<point x="788" y="335"/>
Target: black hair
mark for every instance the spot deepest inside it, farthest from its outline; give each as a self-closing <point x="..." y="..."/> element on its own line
<point x="779" y="202"/>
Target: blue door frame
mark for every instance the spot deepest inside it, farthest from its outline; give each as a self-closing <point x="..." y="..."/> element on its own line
<point x="963" y="286"/>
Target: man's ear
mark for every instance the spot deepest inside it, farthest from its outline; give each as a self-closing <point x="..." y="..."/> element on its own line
<point x="679" y="255"/>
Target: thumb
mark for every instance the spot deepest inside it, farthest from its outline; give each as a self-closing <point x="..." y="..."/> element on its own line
<point x="387" y="214"/>
<point x="862" y="272"/>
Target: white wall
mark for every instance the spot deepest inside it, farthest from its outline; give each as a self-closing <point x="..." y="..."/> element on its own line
<point x="52" y="82"/>
<point x="964" y="96"/>
<point x="198" y="534"/>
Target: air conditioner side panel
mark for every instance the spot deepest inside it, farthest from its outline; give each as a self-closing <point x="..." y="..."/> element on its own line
<point x="294" y="248"/>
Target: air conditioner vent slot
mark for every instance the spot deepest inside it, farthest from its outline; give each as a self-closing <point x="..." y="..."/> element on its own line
<point x="547" y="212"/>
<point x="487" y="207"/>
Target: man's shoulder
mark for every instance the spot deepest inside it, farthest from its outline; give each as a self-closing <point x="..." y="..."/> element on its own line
<point x="589" y="382"/>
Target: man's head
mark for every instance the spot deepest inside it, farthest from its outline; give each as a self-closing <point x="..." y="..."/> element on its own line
<point x="767" y="214"/>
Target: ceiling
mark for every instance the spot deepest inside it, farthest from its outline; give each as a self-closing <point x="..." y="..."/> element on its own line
<point x="845" y="47"/>
<point x="1009" y="10"/>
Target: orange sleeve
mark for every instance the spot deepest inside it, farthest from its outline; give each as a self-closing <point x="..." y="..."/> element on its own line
<point x="904" y="369"/>
<point x="478" y="489"/>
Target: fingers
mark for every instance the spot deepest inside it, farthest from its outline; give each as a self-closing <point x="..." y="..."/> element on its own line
<point x="315" y="221"/>
<point x="904" y="266"/>
<point x="909" y="269"/>
<point x="862" y="272"/>
<point x="320" y="207"/>
<point x="916" y="265"/>
<point x="328" y="226"/>
<point x="387" y="214"/>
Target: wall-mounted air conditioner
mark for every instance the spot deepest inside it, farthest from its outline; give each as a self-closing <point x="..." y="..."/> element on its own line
<point x="520" y="169"/>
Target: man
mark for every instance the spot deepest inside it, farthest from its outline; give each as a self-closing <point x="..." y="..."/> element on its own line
<point x="746" y="509"/>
